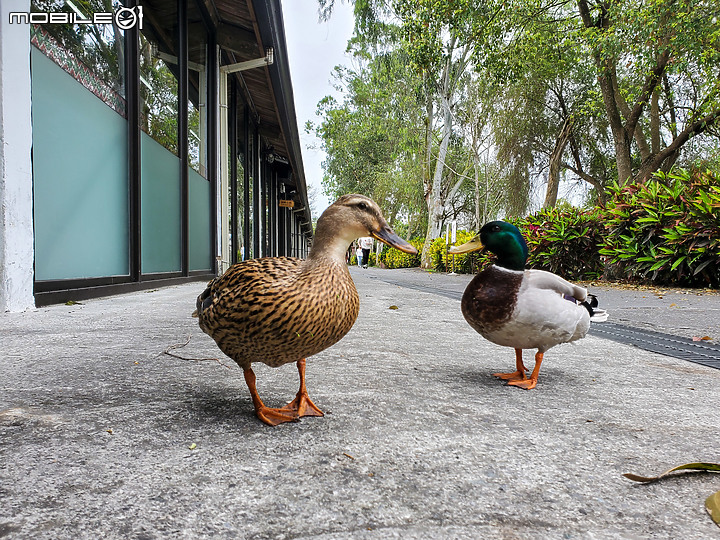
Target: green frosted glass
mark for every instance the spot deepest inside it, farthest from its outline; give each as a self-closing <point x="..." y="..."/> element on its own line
<point x="80" y="179"/>
<point x="160" y="207"/>
<point x="200" y="225"/>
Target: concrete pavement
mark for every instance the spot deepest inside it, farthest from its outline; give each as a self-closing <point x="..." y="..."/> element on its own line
<point x="678" y="311"/>
<point x="101" y="435"/>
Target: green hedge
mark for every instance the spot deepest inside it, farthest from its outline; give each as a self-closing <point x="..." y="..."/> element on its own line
<point x="667" y="230"/>
<point x="394" y="258"/>
<point x="467" y="263"/>
<point x="565" y="242"/>
<point x="560" y="241"/>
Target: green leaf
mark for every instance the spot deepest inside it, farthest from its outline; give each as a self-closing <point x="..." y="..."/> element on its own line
<point x="701" y="266"/>
<point x="657" y="265"/>
<point x="677" y="263"/>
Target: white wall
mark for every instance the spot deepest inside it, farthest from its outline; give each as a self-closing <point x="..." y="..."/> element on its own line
<point x="16" y="202"/>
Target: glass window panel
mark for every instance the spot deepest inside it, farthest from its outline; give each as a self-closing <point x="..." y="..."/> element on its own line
<point x="197" y="90"/>
<point x="80" y="179"/>
<point x="160" y="208"/>
<point x="200" y="222"/>
<point x="92" y="53"/>
<point x="159" y="92"/>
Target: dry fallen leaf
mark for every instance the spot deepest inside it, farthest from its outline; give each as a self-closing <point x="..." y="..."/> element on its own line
<point x="712" y="505"/>
<point x="393" y="307"/>
<point x="688" y="466"/>
<point x="704" y="338"/>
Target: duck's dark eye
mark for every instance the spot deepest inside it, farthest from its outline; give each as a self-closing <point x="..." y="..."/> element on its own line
<point x="362" y="206"/>
<point x="496" y="228"/>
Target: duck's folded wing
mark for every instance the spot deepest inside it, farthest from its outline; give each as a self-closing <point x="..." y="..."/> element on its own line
<point x="540" y="279"/>
<point x="245" y="280"/>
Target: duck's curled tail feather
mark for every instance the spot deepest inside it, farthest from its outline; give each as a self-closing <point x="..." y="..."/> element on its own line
<point x="596" y="314"/>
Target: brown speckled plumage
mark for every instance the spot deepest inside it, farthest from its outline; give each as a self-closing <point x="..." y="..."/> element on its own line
<point x="272" y="310"/>
<point x="278" y="310"/>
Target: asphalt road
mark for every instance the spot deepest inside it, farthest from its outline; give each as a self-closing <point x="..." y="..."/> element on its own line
<point x="102" y="435"/>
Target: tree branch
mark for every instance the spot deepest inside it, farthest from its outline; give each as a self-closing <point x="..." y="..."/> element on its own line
<point x="585" y="176"/>
<point x="648" y="88"/>
<point x="695" y="128"/>
<point x="637" y="131"/>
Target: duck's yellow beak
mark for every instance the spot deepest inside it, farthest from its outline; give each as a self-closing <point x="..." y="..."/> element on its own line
<point x="388" y="236"/>
<point x="468" y="247"/>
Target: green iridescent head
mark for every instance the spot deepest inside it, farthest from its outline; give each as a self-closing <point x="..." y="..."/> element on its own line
<point x="501" y="238"/>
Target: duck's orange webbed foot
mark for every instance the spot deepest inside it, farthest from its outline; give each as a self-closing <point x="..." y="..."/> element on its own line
<point x="518" y="374"/>
<point x="531" y="382"/>
<point x="510" y="377"/>
<point x="302" y="405"/>
<point x="527" y="384"/>
<point x="273" y="417"/>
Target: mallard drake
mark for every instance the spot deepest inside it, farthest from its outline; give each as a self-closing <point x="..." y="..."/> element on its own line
<point x="523" y="309"/>
<point x="279" y="310"/>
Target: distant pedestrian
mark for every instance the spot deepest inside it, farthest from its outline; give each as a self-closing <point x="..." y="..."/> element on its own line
<point x="366" y="243"/>
<point x="359" y="256"/>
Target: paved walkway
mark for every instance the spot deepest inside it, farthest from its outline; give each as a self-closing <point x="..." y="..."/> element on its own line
<point x="678" y="311"/>
<point x="103" y="436"/>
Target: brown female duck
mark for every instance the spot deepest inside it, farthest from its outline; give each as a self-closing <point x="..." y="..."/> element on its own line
<point x="278" y="310"/>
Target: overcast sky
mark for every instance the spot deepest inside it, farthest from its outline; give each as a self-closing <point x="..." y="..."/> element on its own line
<point x="314" y="49"/>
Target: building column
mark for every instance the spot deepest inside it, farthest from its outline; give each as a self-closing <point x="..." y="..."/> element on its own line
<point x="16" y="200"/>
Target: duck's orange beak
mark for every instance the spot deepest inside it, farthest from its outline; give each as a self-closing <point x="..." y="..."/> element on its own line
<point x="387" y="236"/>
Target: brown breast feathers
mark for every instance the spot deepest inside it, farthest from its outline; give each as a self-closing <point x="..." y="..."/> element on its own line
<point x="275" y="310"/>
<point x="490" y="298"/>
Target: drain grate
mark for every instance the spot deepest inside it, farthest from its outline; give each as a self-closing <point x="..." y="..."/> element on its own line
<point x="698" y="352"/>
<point x="703" y="353"/>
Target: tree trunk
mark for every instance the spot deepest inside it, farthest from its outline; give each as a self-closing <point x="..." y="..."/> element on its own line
<point x="623" y="157"/>
<point x="671" y="151"/>
<point x="426" y="259"/>
<point x="622" y="126"/>
<point x="434" y="197"/>
<point x="478" y="217"/>
<point x="555" y="163"/>
<point x="625" y="110"/>
<point x="655" y="122"/>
